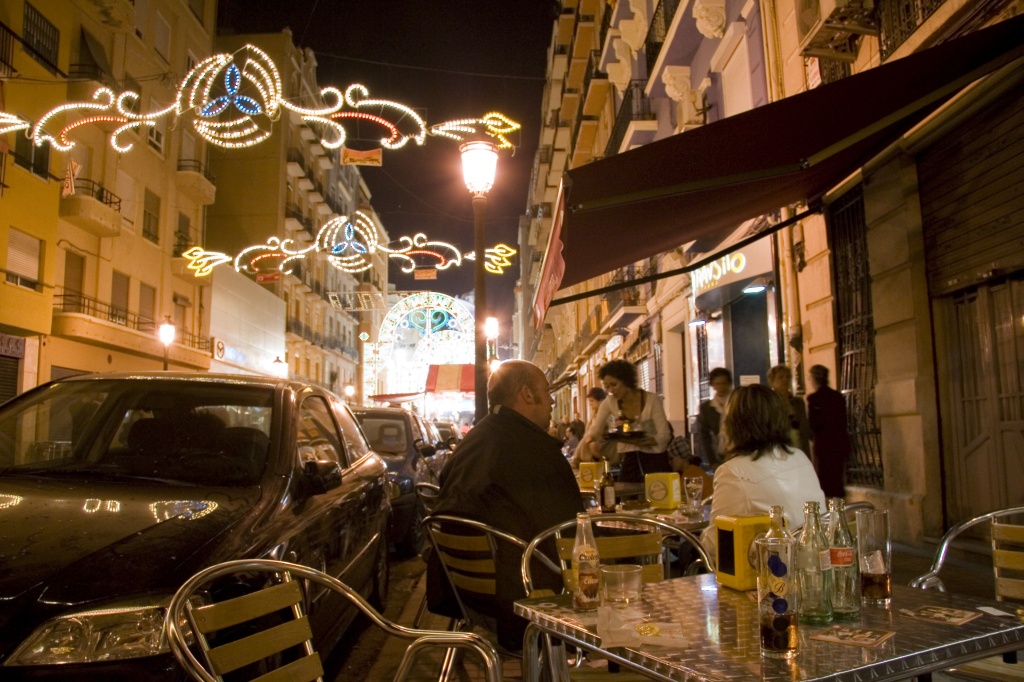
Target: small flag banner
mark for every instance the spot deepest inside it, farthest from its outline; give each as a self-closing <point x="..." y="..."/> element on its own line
<point x="69" y="178"/>
<point x="267" y="277"/>
<point x="424" y="273"/>
<point x="354" y="157"/>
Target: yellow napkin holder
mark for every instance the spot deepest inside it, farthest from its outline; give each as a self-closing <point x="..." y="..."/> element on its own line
<point x="735" y="536"/>
<point x="663" y="490"/>
<point x="590" y="473"/>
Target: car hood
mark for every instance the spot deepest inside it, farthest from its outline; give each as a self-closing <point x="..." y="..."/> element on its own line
<point x="69" y="542"/>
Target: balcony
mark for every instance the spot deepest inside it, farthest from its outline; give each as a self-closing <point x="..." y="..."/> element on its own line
<point x="295" y="221"/>
<point x="195" y="181"/>
<point x="179" y="265"/>
<point x="117" y="14"/>
<point x="93" y="208"/>
<point x="85" y="80"/>
<point x="634" y="121"/>
<point x="661" y="22"/>
<point x="595" y="86"/>
<point x="293" y="329"/>
<point x="296" y="165"/>
<point x="305" y="184"/>
<point x="624" y="307"/>
<point x="897" y="21"/>
<point x="582" y="45"/>
<point x="102" y="324"/>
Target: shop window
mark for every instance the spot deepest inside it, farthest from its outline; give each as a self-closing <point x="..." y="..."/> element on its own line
<point x="24" y="255"/>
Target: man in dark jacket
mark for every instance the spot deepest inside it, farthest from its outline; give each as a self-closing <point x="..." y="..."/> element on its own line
<point x="830" y="438"/>
<point x="510" y="474"/>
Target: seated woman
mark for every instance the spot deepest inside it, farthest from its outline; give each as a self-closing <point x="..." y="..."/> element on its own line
<point x="761" y="468"/>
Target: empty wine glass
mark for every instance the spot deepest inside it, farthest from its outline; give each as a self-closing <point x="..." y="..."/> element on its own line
<point x="693" y="486"/>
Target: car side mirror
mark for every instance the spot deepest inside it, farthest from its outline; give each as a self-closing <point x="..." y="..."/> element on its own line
<point x="425" y="449"/>
<point x="321" y="475"/>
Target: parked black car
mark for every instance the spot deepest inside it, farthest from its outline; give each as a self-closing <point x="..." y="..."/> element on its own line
<point x="412" y="450"/>
<point x="114" y="489"/>
<point x="450" y="433"/>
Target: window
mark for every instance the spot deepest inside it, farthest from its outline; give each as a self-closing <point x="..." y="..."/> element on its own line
<point x="126" y="190"/>
<point x="74" y="276"/>
<point x="190" y="61"/>
<point x="147" y="307"/>
<point x="32" y="158"/>
<point x="140" y="16"/>
<point x="157" y="131"/>
<point x="42" y="38"/>
<point x="162" y="37"/>
<point x="355" y="443"/>
<point x="119" y="298"/>
<point x="198" y="8"/>
<point x="318" y="436"/>
<point x="183" y="237"/>
<point x="24" y="253"/>
<point x="151" y="217"/>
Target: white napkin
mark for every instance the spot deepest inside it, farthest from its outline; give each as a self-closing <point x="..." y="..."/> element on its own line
<point x="626" y="626"/>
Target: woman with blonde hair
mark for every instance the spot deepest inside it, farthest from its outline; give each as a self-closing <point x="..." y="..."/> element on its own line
<point x="761" y="468"/>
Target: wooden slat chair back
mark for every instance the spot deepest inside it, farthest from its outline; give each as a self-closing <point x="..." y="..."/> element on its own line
<point x="269" y="625"/>
<point x="1008" y="560"/>
<point x="646" y="546"/>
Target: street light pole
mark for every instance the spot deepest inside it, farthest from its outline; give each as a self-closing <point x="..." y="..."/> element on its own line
<point x="479" y="163"/>
<point x="166" y="333"/>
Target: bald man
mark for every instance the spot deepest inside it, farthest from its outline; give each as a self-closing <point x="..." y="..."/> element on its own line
<point x="510" y="474"/>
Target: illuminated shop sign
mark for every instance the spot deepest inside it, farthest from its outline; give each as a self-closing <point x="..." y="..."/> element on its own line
<point x="711" y="275"/>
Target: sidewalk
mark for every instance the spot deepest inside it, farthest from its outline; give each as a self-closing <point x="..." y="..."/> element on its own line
<point x="971" y="576"/>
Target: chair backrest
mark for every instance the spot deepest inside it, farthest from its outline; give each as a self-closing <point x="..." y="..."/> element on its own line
<point x="619" y="536"/>
<point x="427" y="494"/>
<point x="1007" y="553"/>
<point x="1008" y="559"/>
<point x="468" y="553"/>
<point x="241" y="631"/>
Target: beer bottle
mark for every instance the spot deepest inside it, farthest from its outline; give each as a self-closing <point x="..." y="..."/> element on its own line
<point x="776" y="523"/>
<point x="843" y="555"/>
<point x="814" y="569"/>
<point x="585" y="566"/>
<point x="606" y="490"/>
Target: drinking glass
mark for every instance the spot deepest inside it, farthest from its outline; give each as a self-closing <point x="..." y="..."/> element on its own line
<point x="777" y="597"/>
<point x="621" y="583"/>
<point x="875" y="552"/>
<point x="693" y="487"/>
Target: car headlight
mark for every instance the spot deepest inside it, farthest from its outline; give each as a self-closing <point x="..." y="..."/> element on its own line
<point x="108" y="634"/>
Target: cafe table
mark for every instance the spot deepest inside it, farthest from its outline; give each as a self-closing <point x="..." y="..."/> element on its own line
<point x="720" y="628"/>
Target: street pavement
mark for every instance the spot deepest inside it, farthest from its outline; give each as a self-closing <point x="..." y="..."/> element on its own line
<point x="374" y="657"/>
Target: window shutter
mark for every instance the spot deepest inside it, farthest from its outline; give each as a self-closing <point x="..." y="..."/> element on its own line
<point x="23" y="252"/>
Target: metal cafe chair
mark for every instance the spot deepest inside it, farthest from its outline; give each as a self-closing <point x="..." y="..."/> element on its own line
<point x="1008" y="569"/>
<point x="427" y="494"/>
<point x="649" y="544"/>
<point x="266" y="629"/>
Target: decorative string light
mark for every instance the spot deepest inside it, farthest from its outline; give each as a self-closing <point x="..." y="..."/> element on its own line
<point x="203" y="262"/>
<point x="231" y="100"/>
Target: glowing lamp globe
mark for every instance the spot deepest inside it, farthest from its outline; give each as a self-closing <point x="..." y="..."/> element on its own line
<point x="166" y="333"/>
<point x="491" y="328"/>
<point x="479" y="164"/>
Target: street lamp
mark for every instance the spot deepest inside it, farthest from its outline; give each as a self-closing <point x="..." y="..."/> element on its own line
<point x="491" y="332"/>
<point x="350" y="391"/>
<point x="166" y="332"/>
<point x="479" y="164"/>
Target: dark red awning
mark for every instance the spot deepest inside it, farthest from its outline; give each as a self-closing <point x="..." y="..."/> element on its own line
<point x="707" y="181"/>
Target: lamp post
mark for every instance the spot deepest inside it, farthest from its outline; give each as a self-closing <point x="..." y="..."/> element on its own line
<point x="479" y="163"/>
<point x="491" y="334"/>
<point x="350" y="391"/>
<point x="166" y="333"/>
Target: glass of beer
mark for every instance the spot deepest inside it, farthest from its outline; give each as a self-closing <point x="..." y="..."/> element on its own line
<point x="777" y="597"/>
<point x="875" y="552"/>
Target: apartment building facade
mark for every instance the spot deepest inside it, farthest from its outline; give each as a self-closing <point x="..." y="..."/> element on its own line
<point x="903" y="279"/>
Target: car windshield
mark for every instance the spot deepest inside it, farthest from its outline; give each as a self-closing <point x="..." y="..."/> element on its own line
<point x="445" y="430"/>
<point x="386" y="434"/>
<point x="190" y="432"/>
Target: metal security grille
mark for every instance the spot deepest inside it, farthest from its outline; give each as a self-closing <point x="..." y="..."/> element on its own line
<point x="855" y="334"/>
<point x="8" y="378"/>
<point x="704" y="388"/>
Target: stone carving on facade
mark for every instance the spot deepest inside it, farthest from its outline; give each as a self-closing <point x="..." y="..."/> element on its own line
<point x="620" y="71"/>
<point x="634" y="31"/>
<point x="710" y="16"/>
<point x="689" y="101"/>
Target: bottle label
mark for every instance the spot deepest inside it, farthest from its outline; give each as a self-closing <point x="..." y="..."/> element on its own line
<point x="841" y="556"/>
<point x="825" y="559"/>
<point x="608" y="497"/>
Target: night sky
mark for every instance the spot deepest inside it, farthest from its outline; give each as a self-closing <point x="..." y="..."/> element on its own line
<point x="446" y="59"/>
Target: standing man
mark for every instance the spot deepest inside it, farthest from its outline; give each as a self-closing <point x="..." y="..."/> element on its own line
<point x="827" y="414"/>
<point x="512" y="475"/>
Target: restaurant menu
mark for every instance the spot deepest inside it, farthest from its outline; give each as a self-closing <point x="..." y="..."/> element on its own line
<point x="940" y="614"/>
<point x="844" y="634"/>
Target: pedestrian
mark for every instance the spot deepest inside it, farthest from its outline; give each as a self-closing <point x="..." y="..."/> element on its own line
<point x="826" y="409"/>
<point x="709" y="418"/>
<point x="780" y="379"/>
<point x="562" y="429"/>
<point x="512" y="475"/>
<point x="761" y="468"/>
<point x="643" y="412"/>
<point x="588" y="450"/>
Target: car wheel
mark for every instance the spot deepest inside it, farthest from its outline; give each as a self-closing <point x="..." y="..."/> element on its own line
<point x="381" y="578"/>
<point x="412" y="543"/>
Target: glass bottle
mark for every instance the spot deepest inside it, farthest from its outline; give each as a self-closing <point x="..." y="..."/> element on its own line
<point x="814" y="569"/>
<point x="585" y="566"/>
<point x="843" y="555"/>
<point x="777" y="523"/>
<point x="606" y="490"/>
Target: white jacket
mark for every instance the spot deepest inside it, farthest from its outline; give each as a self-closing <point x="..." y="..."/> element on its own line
<point x="744" y="486"/>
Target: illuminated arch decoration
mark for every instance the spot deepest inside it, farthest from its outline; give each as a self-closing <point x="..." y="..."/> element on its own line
<point x="232" y="100"/>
